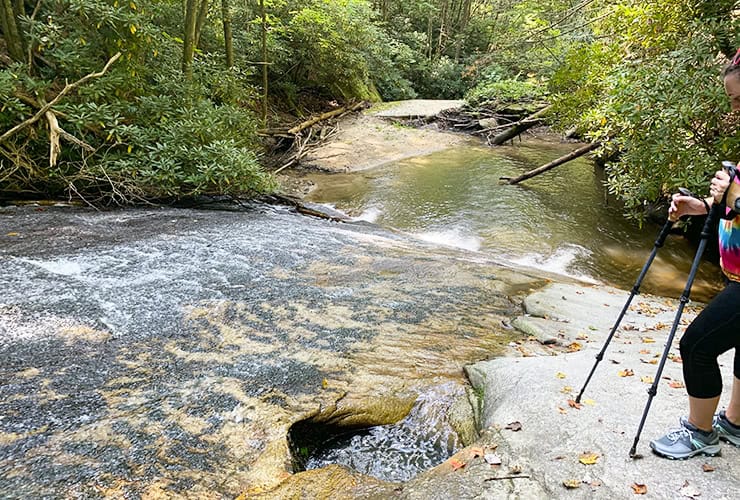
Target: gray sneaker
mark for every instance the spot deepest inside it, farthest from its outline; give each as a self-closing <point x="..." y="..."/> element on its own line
<point x="725" y="429"/>
<point x="685" y="442"/>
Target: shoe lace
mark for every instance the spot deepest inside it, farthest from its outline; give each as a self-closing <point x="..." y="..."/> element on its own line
<point x="677" y="433"/>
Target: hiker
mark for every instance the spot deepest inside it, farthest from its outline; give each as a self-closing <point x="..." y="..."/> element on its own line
<point x="715" y="330"/>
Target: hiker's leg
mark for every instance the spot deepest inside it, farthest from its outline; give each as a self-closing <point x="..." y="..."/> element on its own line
<point x="713" y="332"/>
<point x="733" y="408"/>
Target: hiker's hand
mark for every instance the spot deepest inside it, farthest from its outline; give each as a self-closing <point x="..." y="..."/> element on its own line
<point x="718" y="186"/>
<point x="685" y="205"/>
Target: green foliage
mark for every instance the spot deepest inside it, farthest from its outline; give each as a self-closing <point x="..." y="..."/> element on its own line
<point x="328" y="42"/>
<point x="650" y="90"/>
<point x="499" y="93"/>
<point x="154" y="134"/>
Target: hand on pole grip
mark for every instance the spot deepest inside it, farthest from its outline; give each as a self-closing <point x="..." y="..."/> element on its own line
<point x="731" y="197"/>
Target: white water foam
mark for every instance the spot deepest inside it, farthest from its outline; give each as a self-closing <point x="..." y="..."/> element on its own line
<point x="452" y="238"/>
<point x="559" y="262"/>
<point x="371" y="214"/>
<point x="61" y="266"/>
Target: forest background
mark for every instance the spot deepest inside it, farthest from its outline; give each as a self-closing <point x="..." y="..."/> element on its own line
<point x="116" y="102"/>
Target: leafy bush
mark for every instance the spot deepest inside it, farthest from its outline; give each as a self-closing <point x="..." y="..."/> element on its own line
<point x="497" y="93"/>
<point x="154" y="134"/>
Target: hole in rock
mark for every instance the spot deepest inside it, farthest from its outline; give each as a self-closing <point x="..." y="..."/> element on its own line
<point x="396" y="452"/>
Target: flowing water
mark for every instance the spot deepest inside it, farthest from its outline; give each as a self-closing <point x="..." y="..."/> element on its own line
<point x="398" y="452"/>
<point x="560" y="221"/>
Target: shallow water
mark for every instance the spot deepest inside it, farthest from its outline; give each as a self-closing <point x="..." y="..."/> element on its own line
<point x="561" y="221"/>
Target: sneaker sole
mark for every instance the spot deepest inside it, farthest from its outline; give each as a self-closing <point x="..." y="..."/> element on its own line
<point x="733" y="440"/>
<point x="710" y="451"/>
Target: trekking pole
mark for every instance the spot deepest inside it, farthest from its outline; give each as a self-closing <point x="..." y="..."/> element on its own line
<point x="705" y="233"/>
<point x="635" y="290"/>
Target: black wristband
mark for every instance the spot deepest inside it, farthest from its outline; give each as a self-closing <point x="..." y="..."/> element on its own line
<point x="706" y="205"/>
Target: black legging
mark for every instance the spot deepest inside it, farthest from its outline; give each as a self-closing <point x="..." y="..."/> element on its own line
<point x="715" y="330"/>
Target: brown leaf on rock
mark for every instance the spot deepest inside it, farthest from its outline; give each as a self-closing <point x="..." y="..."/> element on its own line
<point x="626" y="373"/>
<point x="707" y="468"/>
<point x="676" y="384"/>
<point x="562" y="410"/>
<point x="457" y="464"/>
<point x="639" y="489"/>
<point x="477" y="452"/>
<point x="689" y="490"/>
<point x="572" y="403"/>
<point x="574" y="347"/>
<point x="514" y="426"/>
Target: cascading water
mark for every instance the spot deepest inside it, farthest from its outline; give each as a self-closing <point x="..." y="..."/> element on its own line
<point x="395" y="452"/>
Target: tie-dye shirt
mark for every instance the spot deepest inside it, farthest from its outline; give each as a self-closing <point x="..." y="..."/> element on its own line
<point x="729" y="246"/>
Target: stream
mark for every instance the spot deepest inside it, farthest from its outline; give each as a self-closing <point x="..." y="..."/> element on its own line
<point x="561" y="221"/>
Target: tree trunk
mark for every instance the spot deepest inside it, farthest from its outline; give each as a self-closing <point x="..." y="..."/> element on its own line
<point x="430" y="36"/>
<point x="228" y="36"/>
<point x="188" y="46"/>
<point x="519" y="127"/>
<point x="442" y="27"/>
<point x="200" y="20"/>
<point x="11" y="30"/>
<point x="265" y="80"/>
<point x="549" y="166"/>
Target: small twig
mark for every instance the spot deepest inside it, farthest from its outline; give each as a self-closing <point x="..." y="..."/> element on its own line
<point x="499" y="478"/>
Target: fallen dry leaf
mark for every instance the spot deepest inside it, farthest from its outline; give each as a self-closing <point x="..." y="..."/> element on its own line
<point x="477" y="452"/>
<point x="574" y="347"/>
<point x="514" y="426"/>
<point x="589" y="402"/>
<point x="566" y="389"/>
<point x="560" y="375"/>
<point x="639" y="489"/>
<point x="676" y="384"/>
<point x="648" y="340"/>
<point x="562" y="410"/>
<point x="572" y="484"/>
<point x="12" y="234"/>
<point x="456" y="464"/>
<point x="707" y="468"/>
<point x="589" y="458"/>
<point x="644" y="351"/>
<point x="626" y="373"/>
<point x="515" y="469"/>
<point x="649" y="361"/>
<point x="647" y="380"/>
<point x="689" y="490"/>
<point x="572" y="403"/>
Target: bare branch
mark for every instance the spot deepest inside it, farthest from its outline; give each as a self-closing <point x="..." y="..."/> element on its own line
<point x="67" y="88"/>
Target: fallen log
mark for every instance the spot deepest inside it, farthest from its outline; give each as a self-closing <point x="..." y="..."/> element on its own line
<point x="325" y="116"/>
<point x="519" y="127"/>
<point x="544" y="168"/>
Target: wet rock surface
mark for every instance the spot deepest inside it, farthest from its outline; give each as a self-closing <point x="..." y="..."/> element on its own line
<point x="167" y="352"/>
